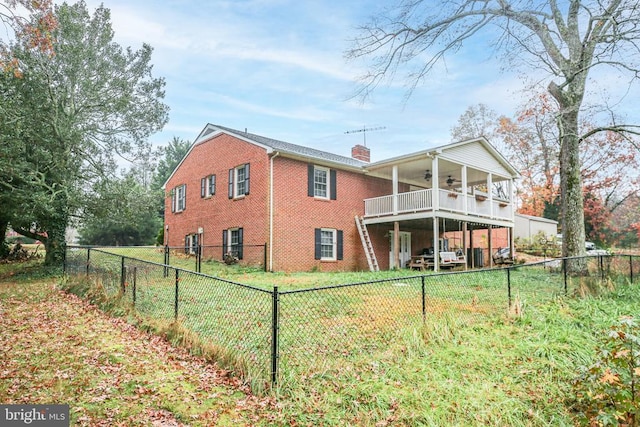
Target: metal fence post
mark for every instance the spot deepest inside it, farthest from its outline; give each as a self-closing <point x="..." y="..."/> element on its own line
<point x="630" y="268"/>
<point x="265" y="257"/>
<point x="135" y="276"/>
<point x="601" y="265"/>
<point x="424" y="302"/>
<point x="564" y="271"/>
<point x="64" y="261"/>
<point x="88" y="260"/>
<point x="166" y="261"/>
<point x="123" y="276"/>
<point x="274" y="335"/>
<point x="509" y="285"/>
<point x="175" y="308"/>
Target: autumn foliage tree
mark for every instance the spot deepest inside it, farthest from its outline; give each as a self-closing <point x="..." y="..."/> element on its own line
<point x="608" y="161"/>
<point x="35" y="28"/>
<point x="564" y="41"/>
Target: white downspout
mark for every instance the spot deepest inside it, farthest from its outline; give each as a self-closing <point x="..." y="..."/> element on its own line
<point x="271" y="209"/>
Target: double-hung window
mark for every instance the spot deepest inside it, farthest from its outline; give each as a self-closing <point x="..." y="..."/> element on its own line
<point x="321" y="182"/>
<point x="239" y="181"/>
<point x="232" y="242"/>
<point x="191" y="244"/>
<point x="208" y="186"/>
<point x="328" y="244"/>
<point x="179" y="198"/>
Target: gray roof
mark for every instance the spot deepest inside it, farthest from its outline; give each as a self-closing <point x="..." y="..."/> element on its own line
<point x="288" y="148"/>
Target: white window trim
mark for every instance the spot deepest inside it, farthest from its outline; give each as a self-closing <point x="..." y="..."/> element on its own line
<point x="236" y="181"/>
<point x="230" y="233"/>
<point x="207" y="185"/>
<point x="192" y="238"/>
<point x="176" y="194"/>
<point x="327" y="182"/>
<point x="334" y="249"/>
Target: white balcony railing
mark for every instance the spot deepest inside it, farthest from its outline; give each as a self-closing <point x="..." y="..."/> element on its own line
<point x="412" y="201"/>
<point x="422" y="201"/>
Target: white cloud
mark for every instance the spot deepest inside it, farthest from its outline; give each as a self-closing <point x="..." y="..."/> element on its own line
<point x="277" y="66"/>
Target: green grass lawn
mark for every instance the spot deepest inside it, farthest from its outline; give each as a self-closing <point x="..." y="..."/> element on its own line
<point x="369" y="355"/>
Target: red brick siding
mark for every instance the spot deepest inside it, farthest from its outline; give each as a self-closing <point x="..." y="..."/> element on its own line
<point x="217" y="213"/>
<point x="296" y="215"/>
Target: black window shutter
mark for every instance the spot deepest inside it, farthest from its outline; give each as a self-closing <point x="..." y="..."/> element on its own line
<point x="224" y="243"/>
<point x="203" y="183"/>
<point x="310" y="183"/>
<point x="340" y="253"/>
<point x="332" y="184"/>
<point x="246" y="179"/>
<point x="240" y="237"/>
<point x="318" y="243"/>
<point x="173" y="200"/>
<point x="231" y="183"/>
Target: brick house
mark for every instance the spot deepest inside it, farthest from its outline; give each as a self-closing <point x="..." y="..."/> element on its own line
<point x="321" y="211"/>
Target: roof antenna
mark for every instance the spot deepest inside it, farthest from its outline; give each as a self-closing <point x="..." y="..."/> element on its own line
<point x="364" y="131"/>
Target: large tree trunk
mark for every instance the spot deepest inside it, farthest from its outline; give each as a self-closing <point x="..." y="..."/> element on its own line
<point x="55" y="245"/>
<point x="572" y="203"/>
<point x="4" y="249"/>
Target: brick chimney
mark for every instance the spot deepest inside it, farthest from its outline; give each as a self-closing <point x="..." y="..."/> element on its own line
<point x="362" y="153"/>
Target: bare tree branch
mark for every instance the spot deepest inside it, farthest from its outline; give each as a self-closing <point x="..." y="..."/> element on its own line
<point x="567" y="39"/>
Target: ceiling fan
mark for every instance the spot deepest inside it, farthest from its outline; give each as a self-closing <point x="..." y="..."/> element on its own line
<point x="451" y="180"/>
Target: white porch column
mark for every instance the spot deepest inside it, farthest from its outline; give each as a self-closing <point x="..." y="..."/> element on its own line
<point x="490" y="235"/>
<point x="465" y="201"/>
<point x="512" y="201"/>
<point x="435" y="196"/>
<point x="490" y="194"/>
<point x="396" y="245"/>
<point x="464" y="245"/>
<point x="436" y="244"/>
<point x="394" y="178"/>
<point x="512" y="246"/>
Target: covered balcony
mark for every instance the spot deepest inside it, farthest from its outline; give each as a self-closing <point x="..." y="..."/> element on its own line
<point x="465" y="181"/>
<point x="478" y="204"/>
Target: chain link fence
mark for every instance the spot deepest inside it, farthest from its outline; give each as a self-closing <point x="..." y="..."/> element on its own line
<point x="280" y="334"/>
<point x="233" y="318"/>
<point x="201" y="258"/>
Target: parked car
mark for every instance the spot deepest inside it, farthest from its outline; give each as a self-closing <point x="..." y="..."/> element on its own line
<point x="592" y="249"/>
<point x="598" y="251"/>
<point x="503" y="256"/>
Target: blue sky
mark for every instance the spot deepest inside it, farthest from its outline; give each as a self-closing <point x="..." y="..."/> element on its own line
<point x="276" y="68"/>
